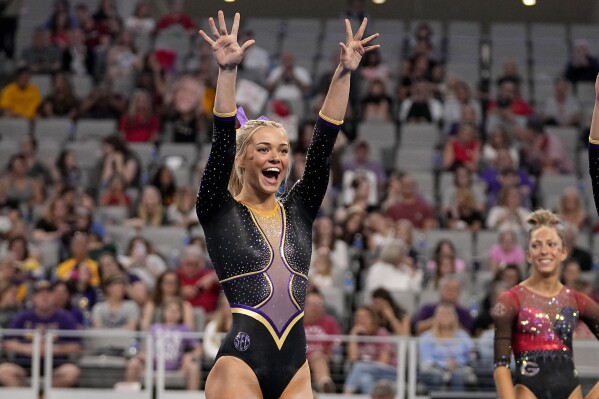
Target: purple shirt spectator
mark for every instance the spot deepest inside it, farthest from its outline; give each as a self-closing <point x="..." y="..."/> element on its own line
<point x="175" y="344"/>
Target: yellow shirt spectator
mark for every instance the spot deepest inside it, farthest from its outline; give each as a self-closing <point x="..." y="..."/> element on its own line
<point x="18" y="101"/>
<point x="65" y="269"/>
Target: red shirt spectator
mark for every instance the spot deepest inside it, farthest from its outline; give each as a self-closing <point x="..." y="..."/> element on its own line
<point x="199" y="285"/>
<point x="177" y="16"/>
<point x="412" y="207"/>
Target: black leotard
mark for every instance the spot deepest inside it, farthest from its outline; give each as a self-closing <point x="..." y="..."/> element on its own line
<point x="262" y="258"/>
<point x="594" y="170"/>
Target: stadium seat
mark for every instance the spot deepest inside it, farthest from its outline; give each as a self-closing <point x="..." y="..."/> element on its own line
<point x="55" y="130"/>
<point x="95" y="129"/>
<point x="13" y="128"/>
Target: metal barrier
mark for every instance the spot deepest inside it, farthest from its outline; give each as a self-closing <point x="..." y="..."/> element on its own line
<point x="406" y="350"/>
<point x="31" y="391"/>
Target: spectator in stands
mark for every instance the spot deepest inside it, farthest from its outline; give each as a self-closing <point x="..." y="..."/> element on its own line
<point x="504" y="172"/>
<point x="55" y="221"/>
<point x="371" y="361"/>
<point x="168" y="287"/>
<point x="256" y="58"/>
<point x="21" y="98"/>
<point x="457" y="99"/>
<point x="582" y="66"/>
<point x="44" y="316"/>
<point x="423" y="34"/>
<point x="325" y="236"/>
<point x="62" y="300"/>
<point x="77" y="59"/>
<point x="19" y="189"/>
<point x="184" y="110"/>
<point x="508" y="96"/>
<point x="321" y="270"/>
<point x="117" y="159"/>
<point x="377" y="105"/>
<point x="391" y="315"/>
<point x="421" y="106"/>
<point x="445" y="262"/>
<point x="562" y="109"/>
<point x="374" y="68"/>
<point x="152" y="79"/>
<point x="164" y="180"/>
<point x="394" y="270"/>
<point x="141" y="21"/>
<point x="69" y="269"/>
<point x="449" y="293"/>
<point x="9" y="15"/>
<point x="543" y="152"/>
<point x="101" y="103"/>
<point x="66" y="172"/>
<point x="509" y="73"/>
<point x="96" y="38"/>
<point x="107" y="17"/>
<point x="318" y="324"/>
<point x="141" y="260"/>
<point x="61" y="8"/>
<point x="484" y="321"/>
<point x="509" y="213"/>
<point x="445" y="352"/>
<point x="59" y="29"/>
<point x="463" y="149"/>
<point x="150" y="211"/>
<point x="464" y="213"/>
<point x="498" y="139"/>
<point x="362" y="161"/>
<point x="199" y="285"/>
<point x="571" y="273"/>
<point x="181" y="353"/>
<point x="9" y="305"/>
<point x="412" y="206"/>
<point x="61" y="102"/>
<point x="288" y="81"/>
<point x="581" y="255"/>
<point x="360" y="190"/>
<point x="506" y="251"/>
<point x="36" y="168"/>
<point x="463" y="179"/>
<point x="27" y="258"/>
<point x="571" y="209"/>
<point x="122" y="64"/>
<point x="511" y="275"/>
<point x="218" y="327"/>
<point x="115" y="194"/>
<point x="115" y="311"/>
<point x="42" y="56"/>
<point x="109" y="266"/>
<point x="177" y="16"/>
<point x="404" y="231"/>
<point x="140" y="123"/>
<point x="182" y="212"/>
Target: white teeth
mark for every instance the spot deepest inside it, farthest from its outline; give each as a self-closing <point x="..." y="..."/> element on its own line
<point x="273" y="170"/>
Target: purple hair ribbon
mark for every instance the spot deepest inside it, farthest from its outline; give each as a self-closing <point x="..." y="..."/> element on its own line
<point x="242" y="118"/>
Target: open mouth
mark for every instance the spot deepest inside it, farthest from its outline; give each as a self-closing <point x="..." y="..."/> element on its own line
<point x="271" y="175"/>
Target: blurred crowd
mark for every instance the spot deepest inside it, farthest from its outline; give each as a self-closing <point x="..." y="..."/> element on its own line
<point x="367" y="241"/>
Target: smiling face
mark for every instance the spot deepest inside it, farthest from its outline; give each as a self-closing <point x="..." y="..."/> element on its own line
<point x="266" y="160"/>
<point x="546" y="251"/>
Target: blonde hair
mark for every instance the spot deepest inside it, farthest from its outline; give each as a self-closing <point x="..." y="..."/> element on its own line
<point x="244" y="134"/>
<point x="393" y="252"/>
<point x="545" y="218"/>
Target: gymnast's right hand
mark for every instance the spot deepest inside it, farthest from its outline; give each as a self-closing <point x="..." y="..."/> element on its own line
<point x="227" y="52"/>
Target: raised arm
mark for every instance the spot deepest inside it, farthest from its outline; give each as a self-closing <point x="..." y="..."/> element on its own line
<point x="594" y="147"/>
<point x="352" y="50"/>
<point x="228" y="55"/>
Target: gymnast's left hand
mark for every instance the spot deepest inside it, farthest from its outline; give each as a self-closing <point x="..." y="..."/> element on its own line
<point x="355" y="47"/>
<point x="227" y="52"/>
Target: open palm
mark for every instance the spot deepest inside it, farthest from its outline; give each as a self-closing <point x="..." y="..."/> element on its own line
<point x="355" y="47"/>
<point x="227" y="52"/>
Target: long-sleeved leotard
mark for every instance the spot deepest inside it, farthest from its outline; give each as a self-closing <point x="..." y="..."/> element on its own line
<point x="594" y="169"/>
<point x="539" y="330"/>
<point x="262" y="258"/>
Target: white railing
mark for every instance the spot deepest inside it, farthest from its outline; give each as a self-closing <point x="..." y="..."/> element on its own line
<point x="406" y="349"/>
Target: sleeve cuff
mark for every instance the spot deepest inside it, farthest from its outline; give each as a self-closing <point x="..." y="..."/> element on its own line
<point x="330" y="120"/>
<point x="592" y="141"/>
<point x="224" y="114"/>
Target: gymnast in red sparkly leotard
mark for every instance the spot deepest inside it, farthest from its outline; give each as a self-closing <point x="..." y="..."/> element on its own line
<point x="535" y="320"/>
